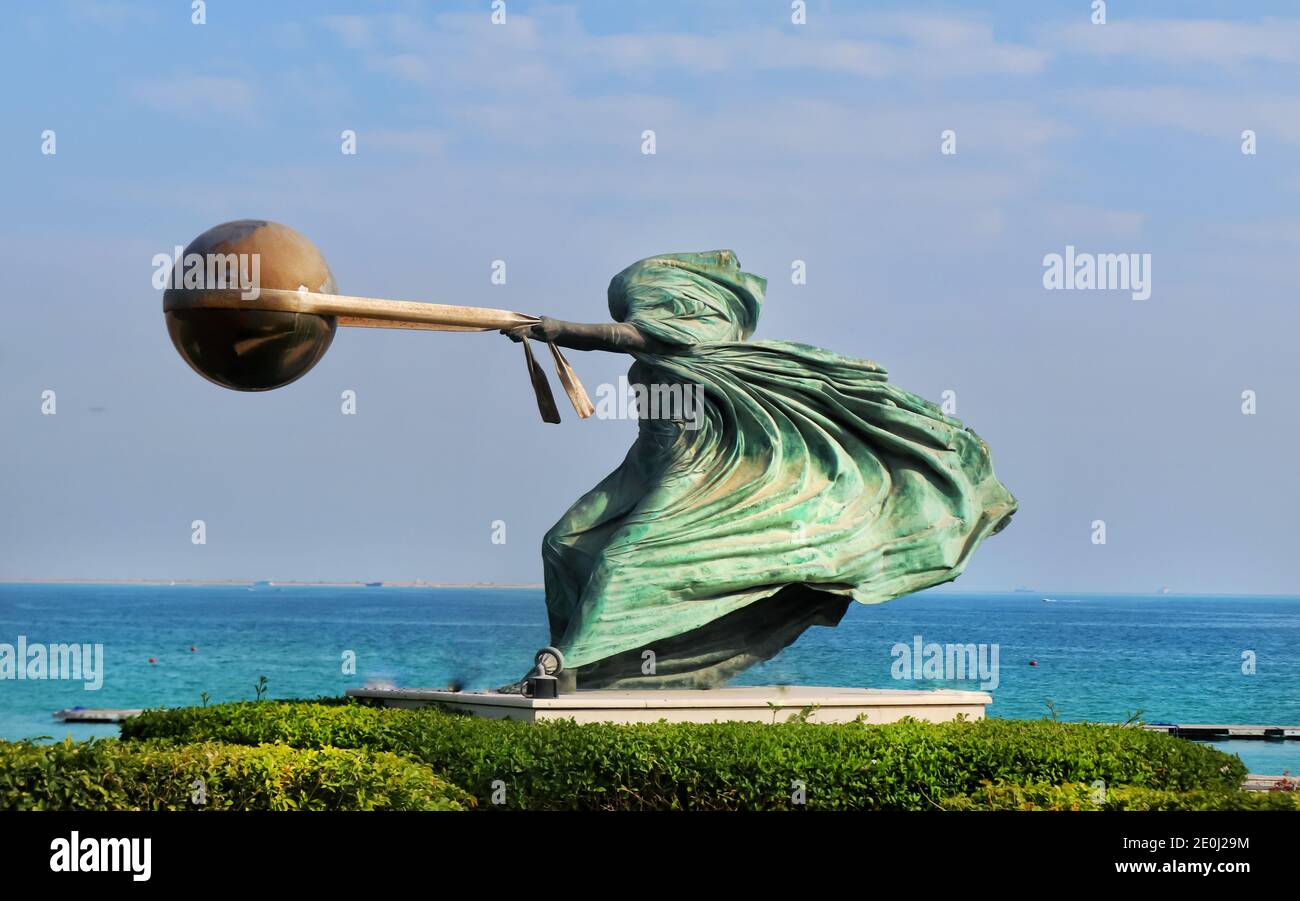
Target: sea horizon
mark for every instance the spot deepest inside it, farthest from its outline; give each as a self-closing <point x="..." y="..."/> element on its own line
<point x="945" y="589"/>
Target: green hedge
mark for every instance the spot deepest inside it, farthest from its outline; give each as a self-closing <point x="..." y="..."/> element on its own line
<point x="722" y="766"/>
<point x="1080" y="796"/>
<point x="111" y="775"/>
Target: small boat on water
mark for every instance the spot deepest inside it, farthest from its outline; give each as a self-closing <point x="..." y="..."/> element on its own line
<point x="94" y="714"/>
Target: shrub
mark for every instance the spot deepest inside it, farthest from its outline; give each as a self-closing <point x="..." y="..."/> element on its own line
<point x="1137" y="798"/>
<point x="301" y="724"/>
<point x="721" y="766"/>
<point x="1072" y="796"/>
<point x="111" y="775"/>
<point x="1081" y="796"/>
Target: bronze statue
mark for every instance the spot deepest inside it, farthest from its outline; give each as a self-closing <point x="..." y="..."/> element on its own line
<point x="810" y="482"/>
<point x="803" y="481"/>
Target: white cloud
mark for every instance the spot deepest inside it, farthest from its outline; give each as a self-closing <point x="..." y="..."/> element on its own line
<point x="1212" y="112"/>
<point x="114" y="16"/>
<point x="1268" y="233"/>
<point x="910" y="46"/>
<point x="531" y="52"/>
<point x="960" y="47"/>
<point x="356" y="32"/>
<point x="199" y="96"/>
<point x="567" y="107"/>
<point x="1185" y="41"/>
<point x="1086" y="221"/>
<point x="426" y="142"/>
<point x="405" y="66"/>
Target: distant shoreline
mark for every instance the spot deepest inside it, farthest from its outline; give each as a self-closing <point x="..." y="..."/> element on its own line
<point x="272" y="583"/>
<point x="1053" y="595"/>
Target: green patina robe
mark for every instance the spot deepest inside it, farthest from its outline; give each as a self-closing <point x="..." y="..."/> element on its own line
<point x="810" y="480"/>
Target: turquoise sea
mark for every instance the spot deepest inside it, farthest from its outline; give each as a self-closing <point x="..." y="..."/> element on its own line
<point x="1094" y="657"/>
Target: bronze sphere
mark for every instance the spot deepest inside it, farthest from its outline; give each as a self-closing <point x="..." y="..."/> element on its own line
<point x="249" y="349"/>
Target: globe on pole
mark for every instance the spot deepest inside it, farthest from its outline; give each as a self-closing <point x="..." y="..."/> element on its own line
<point x="248" y="349"/>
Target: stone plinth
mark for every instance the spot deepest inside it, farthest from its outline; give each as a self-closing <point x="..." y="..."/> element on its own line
<point x="761" y="704"/>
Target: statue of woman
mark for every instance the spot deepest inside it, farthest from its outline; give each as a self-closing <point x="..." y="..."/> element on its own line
<point x="804" y="481"/>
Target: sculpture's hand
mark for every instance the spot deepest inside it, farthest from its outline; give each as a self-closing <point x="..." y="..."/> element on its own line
<point x="547" y="329"/>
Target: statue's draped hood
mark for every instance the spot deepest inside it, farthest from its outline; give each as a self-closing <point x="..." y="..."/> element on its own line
<point x="689" y="298"/>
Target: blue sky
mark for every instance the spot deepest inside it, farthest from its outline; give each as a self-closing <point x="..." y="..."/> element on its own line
<point x="522" y="142"/>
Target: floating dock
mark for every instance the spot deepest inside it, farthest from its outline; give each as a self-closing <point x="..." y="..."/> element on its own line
<point x="95" y="714"/>
<point x="1219" y="731"/>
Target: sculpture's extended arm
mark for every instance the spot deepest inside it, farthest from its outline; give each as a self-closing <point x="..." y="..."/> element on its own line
<point x="615" y="337"/>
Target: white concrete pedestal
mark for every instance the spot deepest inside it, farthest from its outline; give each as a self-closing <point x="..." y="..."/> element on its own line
<point x="760" y="704"/>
